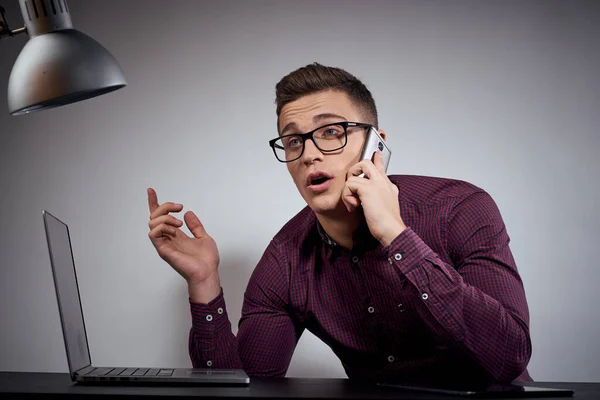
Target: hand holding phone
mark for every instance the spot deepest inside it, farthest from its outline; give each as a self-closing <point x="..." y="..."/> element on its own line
<point x="377" y="195"/>
<point x="373" y="143"/>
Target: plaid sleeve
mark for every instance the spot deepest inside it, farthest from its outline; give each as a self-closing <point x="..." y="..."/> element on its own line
<point x="267" y="333"/>
<point x="479" y="302"/>
<point x="267" y="336"/>
<point x="211" y="342"/>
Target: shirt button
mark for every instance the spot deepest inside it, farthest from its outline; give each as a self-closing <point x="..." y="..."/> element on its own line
<point x="391" y="358"/>
<point x="209" y="318"/>
<point x="355" y="259"/>
<point x="401" y="307"/>
<point x="220" y="310"/>
<point x="424" y="296"/>
<point x="398" y="256"/>
<point x="371" y="310"/>
<point x="209" y="363"/>
<point x="390" y="260"/>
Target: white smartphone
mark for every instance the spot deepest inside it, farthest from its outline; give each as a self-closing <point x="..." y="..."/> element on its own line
<point x="373" y="143"/>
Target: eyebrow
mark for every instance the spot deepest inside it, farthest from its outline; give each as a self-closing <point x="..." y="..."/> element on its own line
<point x="316" y="118"/>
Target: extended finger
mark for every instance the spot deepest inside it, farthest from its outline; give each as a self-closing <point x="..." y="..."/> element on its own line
<point x="152" y="200"/>
<point x="162" y="230"/>
<point x="166" y="208"/>
<point x="164" y="219"/>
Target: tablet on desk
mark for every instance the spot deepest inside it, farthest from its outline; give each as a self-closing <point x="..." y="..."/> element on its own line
<point x="488" y="392"/>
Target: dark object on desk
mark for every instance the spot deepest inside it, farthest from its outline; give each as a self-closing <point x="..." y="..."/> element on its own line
<point x="488" y="392"/>
<point x="35" y="385"/>
<point x="76" y="344"/>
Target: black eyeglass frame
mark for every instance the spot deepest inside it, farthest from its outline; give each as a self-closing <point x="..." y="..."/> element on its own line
<point x="309" y="135"/>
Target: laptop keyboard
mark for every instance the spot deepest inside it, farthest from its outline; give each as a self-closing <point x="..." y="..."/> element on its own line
<point x="131" y="372"/>
<point x="115" y="372"/>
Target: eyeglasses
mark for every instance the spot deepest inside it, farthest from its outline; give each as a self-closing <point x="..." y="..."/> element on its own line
<point x="327" y="138"/>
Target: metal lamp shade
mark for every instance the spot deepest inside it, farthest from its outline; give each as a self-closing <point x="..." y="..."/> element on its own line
<point x="60" y="68"/>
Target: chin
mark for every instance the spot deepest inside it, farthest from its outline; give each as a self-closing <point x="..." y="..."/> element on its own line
<point x="325" y="204"/>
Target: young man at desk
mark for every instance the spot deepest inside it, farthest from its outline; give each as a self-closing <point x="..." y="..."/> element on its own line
<point x="406" y="278"/>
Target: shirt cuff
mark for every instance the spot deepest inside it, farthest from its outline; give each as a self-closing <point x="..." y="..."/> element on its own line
<point x="209" y="318"/>
<point x="407" y="251"/>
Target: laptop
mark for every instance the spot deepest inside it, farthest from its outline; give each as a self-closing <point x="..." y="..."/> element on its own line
<point x="74" y="333"/>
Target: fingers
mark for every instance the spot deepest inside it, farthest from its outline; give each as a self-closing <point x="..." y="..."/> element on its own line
<point x="194" y="225"/>
<point x="352" y="191"/>
<point x="378" y="162"/>
<point x="161" y="223"/>
<point x="365" y="167"/>
<point x="152" y="200"/>
<point x="351" y="202"/>
<point x="165" y="219"/>
<point x="162" y="230"/>
<point x="165" y="209"/>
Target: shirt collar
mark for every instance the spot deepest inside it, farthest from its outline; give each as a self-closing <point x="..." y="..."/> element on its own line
<point x="330" y="242"/>
<point x="362" y="237"/>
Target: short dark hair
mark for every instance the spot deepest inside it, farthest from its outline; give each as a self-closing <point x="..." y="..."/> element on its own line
<point x="315" y="78"/>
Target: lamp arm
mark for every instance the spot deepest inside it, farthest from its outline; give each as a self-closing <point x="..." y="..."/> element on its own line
<point x="5" y="30"/>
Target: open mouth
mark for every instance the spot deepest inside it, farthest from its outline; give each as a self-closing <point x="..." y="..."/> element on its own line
<point x="318" y="181"/>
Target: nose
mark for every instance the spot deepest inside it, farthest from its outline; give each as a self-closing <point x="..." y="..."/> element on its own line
<point x="311" y="153"/>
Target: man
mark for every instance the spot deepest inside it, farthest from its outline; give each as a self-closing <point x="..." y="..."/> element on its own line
<point x="406" y="278"/>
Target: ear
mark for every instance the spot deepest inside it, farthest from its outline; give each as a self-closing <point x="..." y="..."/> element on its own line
<point x="382" y="134"/>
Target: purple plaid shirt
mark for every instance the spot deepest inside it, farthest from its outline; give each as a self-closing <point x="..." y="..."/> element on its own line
<point x="442" y="302"/>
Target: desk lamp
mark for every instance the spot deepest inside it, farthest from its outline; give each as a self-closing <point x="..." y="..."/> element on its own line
<point x="59" y="65"/>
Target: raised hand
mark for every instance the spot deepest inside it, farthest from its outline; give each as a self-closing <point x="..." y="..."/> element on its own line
<point x="378" y="197"/>
<point x="195" y="258"/>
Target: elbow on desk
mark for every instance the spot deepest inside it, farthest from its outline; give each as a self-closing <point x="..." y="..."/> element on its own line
<point x="516" y="360"/>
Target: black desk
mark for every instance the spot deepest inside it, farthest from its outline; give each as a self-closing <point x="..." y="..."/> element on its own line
<point x="40" y="385"/>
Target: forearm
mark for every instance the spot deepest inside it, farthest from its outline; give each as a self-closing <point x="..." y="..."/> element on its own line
<point x="211" y="342"/>
<point x="456" y="312"/>
<point x="267" y="334"/>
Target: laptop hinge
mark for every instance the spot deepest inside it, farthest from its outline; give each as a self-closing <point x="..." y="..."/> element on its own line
<point x="85" y="370"/>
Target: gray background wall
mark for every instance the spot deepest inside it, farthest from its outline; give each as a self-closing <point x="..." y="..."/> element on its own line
<point x="504" y="94"/>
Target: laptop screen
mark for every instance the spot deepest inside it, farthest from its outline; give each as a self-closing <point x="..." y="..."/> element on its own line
<point x="67" y="293"/>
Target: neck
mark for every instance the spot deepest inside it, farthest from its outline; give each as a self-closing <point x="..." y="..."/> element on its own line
<point x="341" y="226"/>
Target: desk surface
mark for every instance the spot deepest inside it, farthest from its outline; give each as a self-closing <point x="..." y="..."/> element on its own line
<point x="37" y="385"/>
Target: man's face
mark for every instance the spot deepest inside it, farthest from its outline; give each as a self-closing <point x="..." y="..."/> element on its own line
<point x="311" y="112"/>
